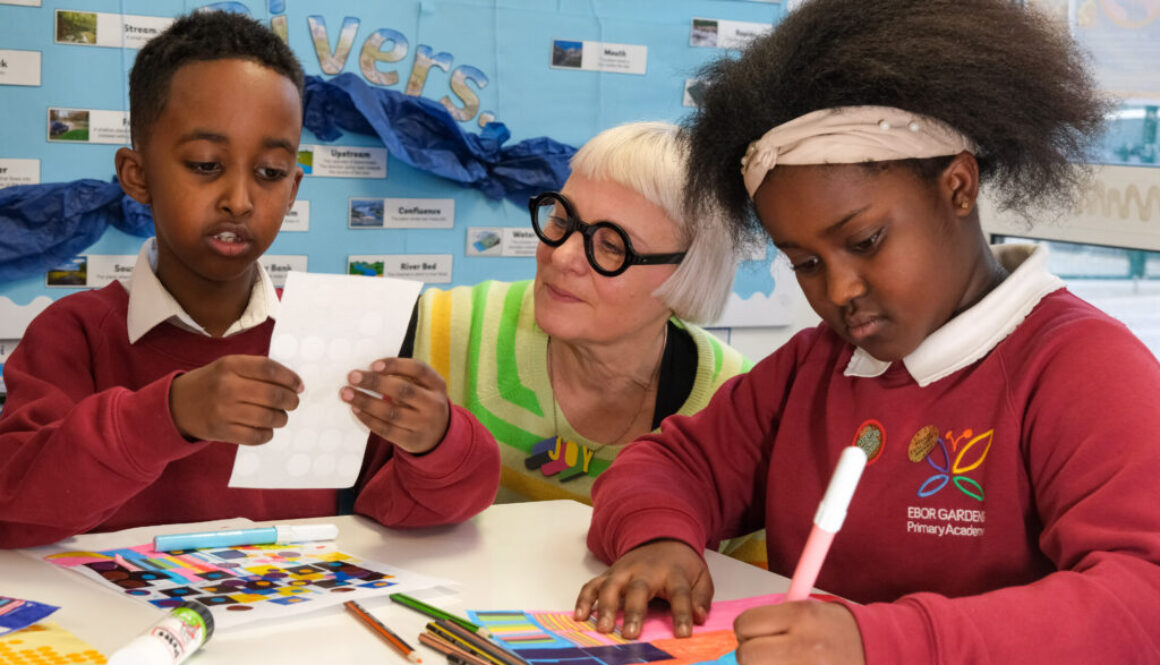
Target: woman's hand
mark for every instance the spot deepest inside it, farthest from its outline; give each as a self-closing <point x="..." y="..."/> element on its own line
<point x="414" y="410"/>
<point x="809" y="632"/>
<point x="667" y="569"/>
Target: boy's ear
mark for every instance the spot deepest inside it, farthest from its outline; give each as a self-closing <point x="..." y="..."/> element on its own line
<point x="131" y="174"/>
<point x="298" y="173"/>
<point x="960" y="183"/>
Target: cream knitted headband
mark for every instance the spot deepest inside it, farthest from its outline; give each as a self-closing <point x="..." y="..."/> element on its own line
<point x="850" y="135"/>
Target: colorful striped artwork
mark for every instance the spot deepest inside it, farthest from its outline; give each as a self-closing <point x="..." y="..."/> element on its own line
<point x="555" y="638"/>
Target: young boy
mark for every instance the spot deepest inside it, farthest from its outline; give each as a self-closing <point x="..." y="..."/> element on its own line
<point x="125" y="404"/>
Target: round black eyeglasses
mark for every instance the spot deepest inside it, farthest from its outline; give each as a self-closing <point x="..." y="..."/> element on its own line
<point x="606" y="245"/>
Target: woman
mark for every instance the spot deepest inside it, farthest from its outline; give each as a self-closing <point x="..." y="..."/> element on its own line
<point x="567" y="369"/>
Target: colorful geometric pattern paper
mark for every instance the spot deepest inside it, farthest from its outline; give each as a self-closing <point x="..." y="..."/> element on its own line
<point x="241" y="584"/>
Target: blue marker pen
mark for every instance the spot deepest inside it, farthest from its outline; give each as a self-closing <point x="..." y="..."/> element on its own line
<point x="260" y="536"/>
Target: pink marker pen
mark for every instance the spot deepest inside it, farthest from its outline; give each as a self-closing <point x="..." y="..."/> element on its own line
<point x="827" y="521"/>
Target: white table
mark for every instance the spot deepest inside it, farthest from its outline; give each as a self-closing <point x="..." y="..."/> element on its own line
<point x="525" y="556"/>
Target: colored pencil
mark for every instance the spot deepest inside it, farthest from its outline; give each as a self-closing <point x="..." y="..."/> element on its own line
<point x="448" y="649"/>
<point x="481" y="643"/>
<point x="436" y="613"/>
<point x="386" y="633"/>
<point x="467" y="645"/>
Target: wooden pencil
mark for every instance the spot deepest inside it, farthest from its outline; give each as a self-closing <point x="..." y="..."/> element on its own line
<point x="436" y="613"/>
<point x="484" y="643"/>
<point x="386" y="633"/>
<point x="448" y="649"/>
<point x="466" y="644"/>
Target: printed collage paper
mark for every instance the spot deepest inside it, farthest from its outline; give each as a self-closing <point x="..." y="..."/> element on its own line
<point x="242" y="584"/>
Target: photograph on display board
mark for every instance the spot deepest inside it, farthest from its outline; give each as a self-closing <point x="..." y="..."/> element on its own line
<point x="487" y="240"/>
<point x="73" y="272"/>
<point x="76" y="27"/>
<point x="704" y="33"/>
<point x="68" y="125"/>
<point x="366" y="213"/>
<point x="306" y="161"/>
<point x="567" y="53"/>
<point x="366" y="268"/>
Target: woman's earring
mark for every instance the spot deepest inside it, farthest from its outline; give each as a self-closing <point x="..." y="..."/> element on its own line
<point x="964" y="204"/>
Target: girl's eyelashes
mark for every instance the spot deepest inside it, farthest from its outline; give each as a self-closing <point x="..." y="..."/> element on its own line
<point x="806" y="266"/>
<point x="868" y="244"/>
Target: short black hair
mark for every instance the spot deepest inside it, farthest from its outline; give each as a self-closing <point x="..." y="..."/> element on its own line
<point x="197" y="37"/>
<point x="1009" y="78"/>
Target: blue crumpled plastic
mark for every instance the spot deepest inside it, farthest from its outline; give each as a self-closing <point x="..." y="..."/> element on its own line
<point x="44" y="225"/>
<point x="421" y="132"/>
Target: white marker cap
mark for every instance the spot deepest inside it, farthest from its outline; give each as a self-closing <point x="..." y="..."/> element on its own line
<point x="297" y="533"/>
<point x="832" y="510"/>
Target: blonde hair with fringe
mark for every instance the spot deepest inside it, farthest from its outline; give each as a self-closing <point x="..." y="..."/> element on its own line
<point x="650" y="159"/>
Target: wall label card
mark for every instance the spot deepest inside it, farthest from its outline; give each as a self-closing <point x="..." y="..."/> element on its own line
<point x="23" y="3"/>
<point x="420" y="213"/>
<point x="718" y="33"/>
<point x="391" y="213"/>
<point x="427" y="268"/>
<point x="19" y="67"/>
<point x="88" y="126"/>
<point x="298" y="219"/>
<point x="335" y="161"/>
<point x="599" y="56"/>
<point x="278" y="266"/>
<point x="503" y="241"/>
<point x="106" y="29"/>
<point x="91" y="271"/>
<point x="19" y="172"/>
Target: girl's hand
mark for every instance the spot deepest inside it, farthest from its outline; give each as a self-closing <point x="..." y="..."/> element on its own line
<point x="667" y="569"/>
<point x="414" y="410"/>
<point x="808" y="631"/>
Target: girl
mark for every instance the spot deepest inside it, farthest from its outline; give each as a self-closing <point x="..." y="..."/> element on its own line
<point x="1009" y="510"/>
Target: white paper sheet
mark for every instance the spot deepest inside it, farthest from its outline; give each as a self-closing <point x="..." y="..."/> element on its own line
<point x="326" y="326"/>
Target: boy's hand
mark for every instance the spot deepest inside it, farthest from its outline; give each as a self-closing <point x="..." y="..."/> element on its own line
<point x="414" y="411"/>
<point x="667" y="569"/>
<point x="237" y="399"/>
<point x="807" y="631"/>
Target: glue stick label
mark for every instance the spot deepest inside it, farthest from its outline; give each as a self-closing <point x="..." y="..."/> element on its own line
<point x="182" y="631"/>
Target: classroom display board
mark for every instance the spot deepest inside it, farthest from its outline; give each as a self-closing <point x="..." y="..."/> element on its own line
<point x="561" y="69"/>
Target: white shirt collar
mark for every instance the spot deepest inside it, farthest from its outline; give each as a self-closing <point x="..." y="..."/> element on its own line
<point x="151" y="304"/>
<point x="973" y="333"/>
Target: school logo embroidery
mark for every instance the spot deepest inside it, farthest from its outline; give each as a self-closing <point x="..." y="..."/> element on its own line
<point x="928" y="445"/>
<point x="871" y="438"/>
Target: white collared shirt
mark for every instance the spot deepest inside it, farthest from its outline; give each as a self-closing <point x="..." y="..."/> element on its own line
<point x="151" y="304"/>
<point x="973" y="333"/>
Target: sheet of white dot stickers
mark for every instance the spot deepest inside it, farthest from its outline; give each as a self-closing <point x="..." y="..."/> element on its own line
<point x="326" y="326"/>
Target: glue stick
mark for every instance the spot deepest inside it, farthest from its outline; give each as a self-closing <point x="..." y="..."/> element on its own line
<point x="171" y="640"/>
